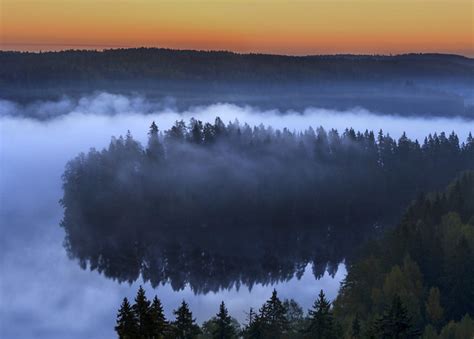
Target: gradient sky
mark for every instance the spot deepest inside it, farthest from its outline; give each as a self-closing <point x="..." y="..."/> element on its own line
<point x="274" y="26"/>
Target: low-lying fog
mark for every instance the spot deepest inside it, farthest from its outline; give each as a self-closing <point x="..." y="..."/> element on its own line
<point x="43" y="293"/>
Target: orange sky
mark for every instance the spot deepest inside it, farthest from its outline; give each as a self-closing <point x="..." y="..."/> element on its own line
<point x="273" y="26"/>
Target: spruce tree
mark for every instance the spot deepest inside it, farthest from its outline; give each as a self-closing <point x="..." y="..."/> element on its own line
<point x="126" y="322"/>
<point x="155" y="150"/>
<point x="395" y="322"/>
<point x="275" y="316"/>
<point x="270" y="322"/>
<point x="321" y="324"/>
<point x="185" y="326"/>
<point x="159" y="325"/>
<point x="141" y="308"/>
<point x="224" y="328"/>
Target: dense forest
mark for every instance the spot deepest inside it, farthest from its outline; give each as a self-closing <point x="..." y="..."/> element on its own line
<point x="416" y="281"/>
<point x="411" y="84"/>
<point x="427" y="260"/>
<point x="166" y="64"/>
<point x="302" y="198"/>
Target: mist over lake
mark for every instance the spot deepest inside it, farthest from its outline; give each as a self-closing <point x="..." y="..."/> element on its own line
<point x="34" y="151"/>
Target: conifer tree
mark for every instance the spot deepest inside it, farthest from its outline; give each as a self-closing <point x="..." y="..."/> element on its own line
<point x="155" y="150"/>
<point x="224" y="328"/>
<point x="141" y="308"/>
<point x="126" y="322"/>
<point x="321" y="324"/>
<point x="185" y="326"/>
<point x="395" y="322"/>
<point x="273" y="314"/>
<point x="159" y="325"/>
<point x="270" y="322"/>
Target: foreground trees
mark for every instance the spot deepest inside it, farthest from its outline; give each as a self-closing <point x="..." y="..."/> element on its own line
<point x="275" y="319"/>
<point x="419" y="277"/>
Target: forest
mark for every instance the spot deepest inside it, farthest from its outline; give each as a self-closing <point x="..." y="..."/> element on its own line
<point x="167" y="64"/>
<point x="409" y="84"/>
<point x="415" y="281"/>
<point x="302" y="197"/>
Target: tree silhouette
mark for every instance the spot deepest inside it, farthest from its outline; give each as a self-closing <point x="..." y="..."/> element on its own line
<point x="155" y="150"/>
<point x="395" y="322"/>
<point x="321" y="323"/>
<point x="185" y="326"/>
<point x="298" y="194"/>
<point x="141" y="308"/>
<point x="126" y="327"/>
<point x="270" y="322"/>
<point x="224" y="328"/>
<point x="274" y="315"/>
<point x="159" y="325"/>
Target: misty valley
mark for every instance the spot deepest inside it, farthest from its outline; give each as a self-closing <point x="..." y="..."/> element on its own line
<point x="154" y="193"/>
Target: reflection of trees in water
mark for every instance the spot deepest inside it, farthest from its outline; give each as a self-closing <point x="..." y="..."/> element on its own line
<point x="218" y="206"/>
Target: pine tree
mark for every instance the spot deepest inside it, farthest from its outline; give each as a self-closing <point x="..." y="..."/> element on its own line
<point x="141" y="308"/>
<point x="273" y="314"/>
<point x="185" y="326"/>
<point x="159" y="325"/>
<point x="224" y="329"/>
<point x="395" y="322"/>
<point x="126" y="322"/>
<point x="321" y="324"/>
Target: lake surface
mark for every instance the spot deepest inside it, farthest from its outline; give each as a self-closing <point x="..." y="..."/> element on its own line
<point x="44" y="293"/>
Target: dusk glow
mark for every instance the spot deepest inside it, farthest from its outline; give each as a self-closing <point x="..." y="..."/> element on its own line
<point x="281" y="27"/>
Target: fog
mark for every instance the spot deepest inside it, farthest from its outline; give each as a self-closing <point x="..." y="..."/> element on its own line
<point x="121" y="113"/>
<point x="45" y="294"/>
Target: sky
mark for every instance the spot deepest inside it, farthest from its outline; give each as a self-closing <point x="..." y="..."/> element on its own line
<point x="296" y="27"/>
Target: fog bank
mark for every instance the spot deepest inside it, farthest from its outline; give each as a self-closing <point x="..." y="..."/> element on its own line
<point x="42" y="292"/>
<point x="135" y="113"/>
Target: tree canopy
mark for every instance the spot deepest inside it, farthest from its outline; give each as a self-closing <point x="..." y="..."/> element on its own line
<point x="301" y="197"/>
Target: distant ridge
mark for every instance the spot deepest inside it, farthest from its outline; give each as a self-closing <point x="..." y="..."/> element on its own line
<point x="152" y="64"/>
<point x="336" y="55"/>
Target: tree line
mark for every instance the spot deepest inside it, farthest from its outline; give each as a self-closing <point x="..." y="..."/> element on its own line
<point x="416" y="281"/>
<point x="193" y="197"/>
<point x="275" y="319"/>
<point x="86" y="66"/>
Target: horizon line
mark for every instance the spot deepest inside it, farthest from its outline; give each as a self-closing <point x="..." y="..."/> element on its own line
<point x="99" y="48"/>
